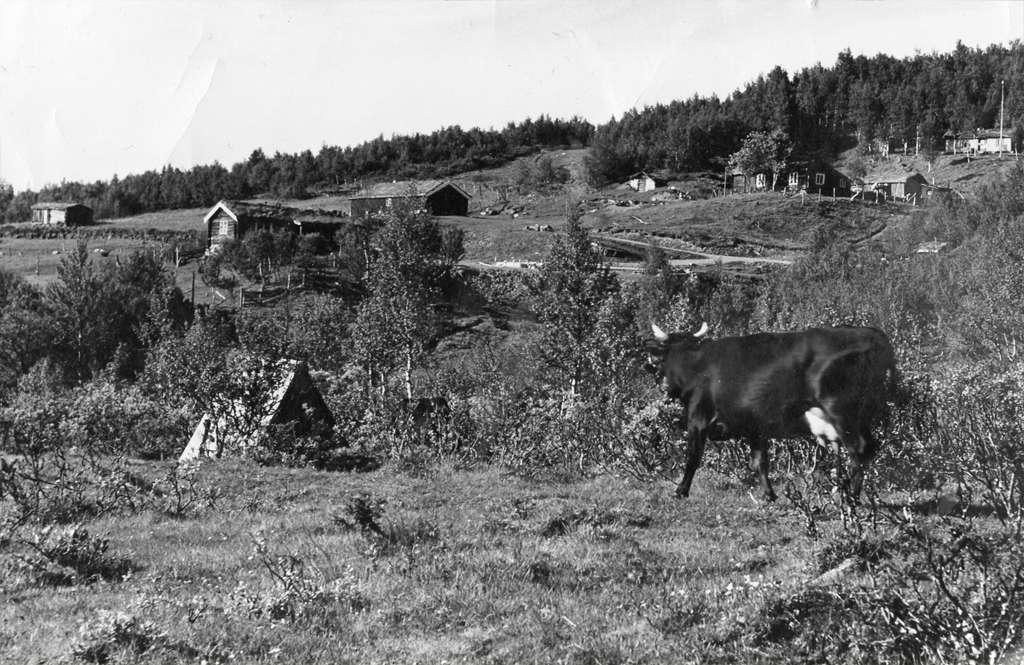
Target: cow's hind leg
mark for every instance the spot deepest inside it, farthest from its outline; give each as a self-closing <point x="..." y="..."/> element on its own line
<point x="760" y="463"/>
<point x="696" y="452"/>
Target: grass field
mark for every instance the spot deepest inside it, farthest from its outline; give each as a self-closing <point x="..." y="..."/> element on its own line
<point x="37" y="259"/>
<point x="471" y="566"/>
<point x="187" y="219"/>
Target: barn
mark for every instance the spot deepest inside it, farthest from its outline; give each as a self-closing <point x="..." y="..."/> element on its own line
<point x="61" y="214"/>
<point x="896" y="183"/>
<point x="438" y="197"/>
<point x="644" y="182"/>
<point x="233" y="220"/>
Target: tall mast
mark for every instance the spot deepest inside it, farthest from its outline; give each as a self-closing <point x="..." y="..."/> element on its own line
<point x="1001" y="83"/>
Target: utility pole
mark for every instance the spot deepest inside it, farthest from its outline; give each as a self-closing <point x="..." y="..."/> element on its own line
<point x="1001" y="86"/>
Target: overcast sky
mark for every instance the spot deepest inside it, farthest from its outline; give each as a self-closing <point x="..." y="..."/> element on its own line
<point x="91" y="88"/>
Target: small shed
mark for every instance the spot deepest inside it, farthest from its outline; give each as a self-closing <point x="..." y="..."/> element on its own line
<point x="55" y="213"/>
<point x="233" y="220"/>
<point x="438" y="197"/>
<point x="294" y="400"/>
<point x="939" y="193"/>
<point x="896" y="183"/>
<point x="645" y="182"/>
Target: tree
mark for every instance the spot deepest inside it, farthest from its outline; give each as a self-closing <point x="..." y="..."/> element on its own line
<point x="85" y="316"/>
<point x="575" y="282"/>
<point x="762" y="152"/>
<point x="6" y="196"/>
<point x="397" y="321"/>
<point x="25" y="329"/>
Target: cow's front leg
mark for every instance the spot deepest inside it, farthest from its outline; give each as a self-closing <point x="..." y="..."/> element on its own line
<point x="697" y="439"/>
<point x="760" y="463"/>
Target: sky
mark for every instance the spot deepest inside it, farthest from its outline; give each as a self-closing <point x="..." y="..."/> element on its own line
<point x="93" y="88"/>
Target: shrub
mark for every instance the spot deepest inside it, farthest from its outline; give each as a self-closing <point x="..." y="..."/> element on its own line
<point x="71" y="554"/>
<point x="365" y="513"/>
<point x="302" y="591"/>
<point x="115" y="418"/>
<point x="110" y="633"/>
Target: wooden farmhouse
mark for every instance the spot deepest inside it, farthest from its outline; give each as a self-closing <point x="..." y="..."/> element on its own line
<point x="438" y="197"/>
<point x="644" y="182"/>
<point x="233" y="220"/>
<point x="61" y="214"/>
<point x="743" y="183"/>
<point x="979" y="141"/>
<point x="896" y="183"/>
<point x="818" y="178"/>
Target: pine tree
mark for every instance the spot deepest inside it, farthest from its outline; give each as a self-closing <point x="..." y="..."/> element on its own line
<point x="575" y="283"/>
<point x="83" y="310"/>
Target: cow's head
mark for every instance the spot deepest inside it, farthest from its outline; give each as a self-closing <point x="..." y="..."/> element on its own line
<point x="658" y="347"/>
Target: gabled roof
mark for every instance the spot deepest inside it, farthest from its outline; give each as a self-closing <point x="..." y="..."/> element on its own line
<point x="645" y="174"/>
<point x="815" y="165"/>
<point x="980" y="134"/>
<point x="269" y="211"/>
<point x="407" y="188"/>
<point x="892" y="174"/>
<point x="57" y="205"/>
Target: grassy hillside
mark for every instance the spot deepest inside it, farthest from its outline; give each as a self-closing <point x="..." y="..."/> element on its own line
<point x="749" y="224"/>
<point x="470" y="566"/>
<point x="956" y="171"/>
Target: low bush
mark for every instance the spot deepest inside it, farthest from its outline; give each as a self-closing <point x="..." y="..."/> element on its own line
<point x="364" y="513"/>
<point x="301" y="591"/>
<point x="111" y="634"/>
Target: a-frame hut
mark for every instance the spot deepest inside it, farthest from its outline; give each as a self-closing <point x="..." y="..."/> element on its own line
<point x="294" y="399"/>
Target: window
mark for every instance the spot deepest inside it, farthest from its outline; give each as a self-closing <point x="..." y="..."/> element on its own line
<point x="388" y="203"/>
<point x="759" y="181"/>
<point x="224" y="228"/>
<point x="794" y="179"/>
<point x="819" y="178"/>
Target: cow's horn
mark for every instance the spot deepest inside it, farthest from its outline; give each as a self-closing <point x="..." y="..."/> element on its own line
<point x="703" y="330"/>
<point x="659" y="334"/>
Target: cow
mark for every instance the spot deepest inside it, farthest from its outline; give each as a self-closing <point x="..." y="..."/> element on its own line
<point x="425" y="411"/>
<point x="828" y="383"/>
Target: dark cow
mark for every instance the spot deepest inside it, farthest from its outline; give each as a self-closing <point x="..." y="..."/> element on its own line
<point x="425" y="411"/>
<point x="830" y="383"/>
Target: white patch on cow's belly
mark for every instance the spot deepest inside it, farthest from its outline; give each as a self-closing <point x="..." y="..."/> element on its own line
<point x="819" y="426"/>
